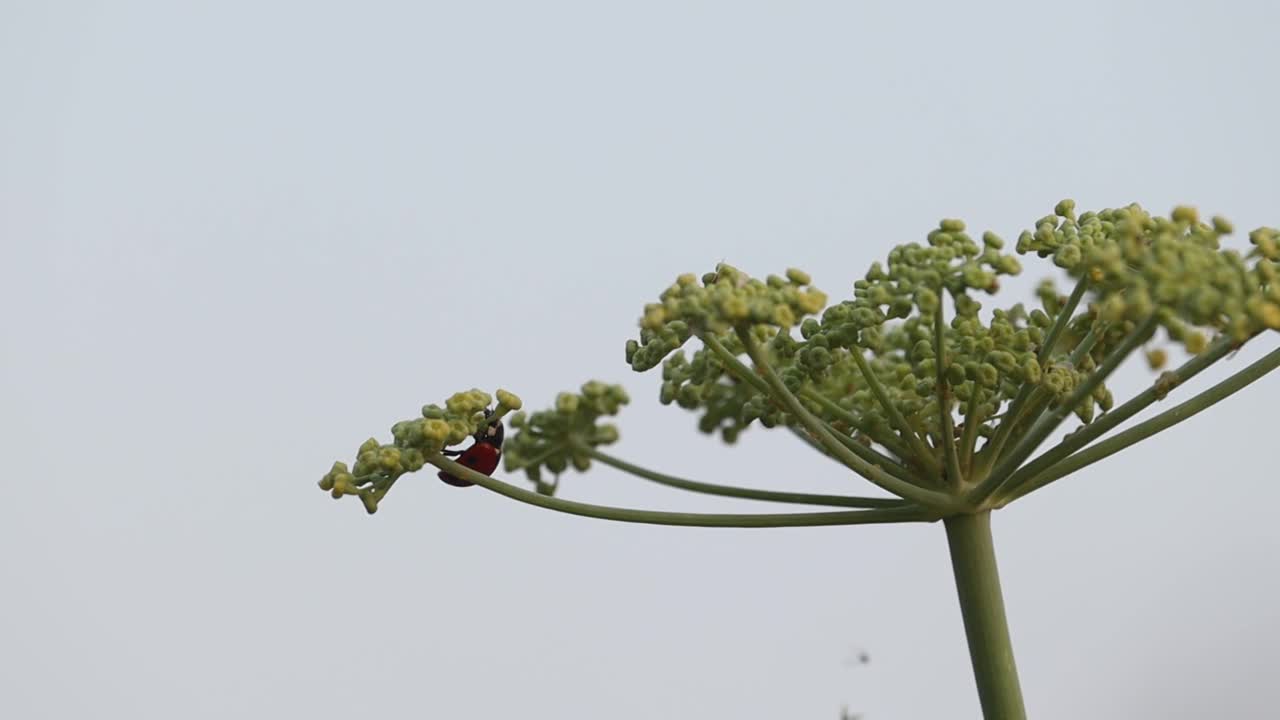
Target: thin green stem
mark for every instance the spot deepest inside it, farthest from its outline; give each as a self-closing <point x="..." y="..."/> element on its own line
<point x="973" y="560"/>
<point x="1146" y="429"/>
<point x="972" y="422"/>
<point x="922" y="451"/>
<point x="814" y="444"/>
<point x="650" y="517"/>
<point x="1086" y="344"/>
<point x="540" y="457"/>
<point x="1063" y="319"/>
<point x="740" y="492"/>
<point x="891" y="442"/>
<point x="896" y="469"/>
<point x="877" y="475"/>
<point x="1037" y="399"/>
<point x="992" y="450"/>
<point x="1050" y="422"/>
<point x="744" y="373"/>
<point x="1133" y="406"/>
<point x="947" y="427"/>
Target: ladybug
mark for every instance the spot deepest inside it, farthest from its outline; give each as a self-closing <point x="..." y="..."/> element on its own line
<point x="482" y="456"/>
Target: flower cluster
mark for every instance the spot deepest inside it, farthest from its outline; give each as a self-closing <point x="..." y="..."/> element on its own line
<point x="559" y="437"/>
<point x="890" y="357"/>
<point x="1139" y="265"/>
<point x="721" y="300"/>
<point x="379" y="465"/>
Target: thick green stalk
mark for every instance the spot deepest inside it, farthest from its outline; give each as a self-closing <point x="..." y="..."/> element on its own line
<point x="1146" y="429"/>
<point x="741" y="492"/>
<point x="651" y="517"/>
<point x="973" y="559"/>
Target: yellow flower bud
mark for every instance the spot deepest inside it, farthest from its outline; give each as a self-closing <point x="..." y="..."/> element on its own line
<point x="508" y="400"/>
<point x="798" y="277"/>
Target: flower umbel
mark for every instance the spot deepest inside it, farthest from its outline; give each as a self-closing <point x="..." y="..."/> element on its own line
<point x="918" y="382"/>
<point x="379" y="465"/>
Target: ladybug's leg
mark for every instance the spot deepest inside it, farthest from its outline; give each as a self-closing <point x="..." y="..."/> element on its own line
<point x="451" y="453"/>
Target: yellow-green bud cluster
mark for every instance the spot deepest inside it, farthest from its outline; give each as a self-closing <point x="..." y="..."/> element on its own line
<point x="988" y="359"/>
<point x="728" y="405"/>
<point x="378" y="465"/>
<point x="554" y="439"/>
<point x="719" y="301"/>
<point x="1174" y="268"/>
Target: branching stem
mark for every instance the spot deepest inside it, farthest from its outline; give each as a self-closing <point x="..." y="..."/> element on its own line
<point x="1144" y="430"/>
<point x="877" y="475"/>
<point x="740" y="492"/>
<point x="651" y="517"/>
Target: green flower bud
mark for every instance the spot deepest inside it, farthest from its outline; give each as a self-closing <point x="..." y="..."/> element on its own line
<point x="436" y="431"/>
<point x="667" y="394"/>
<point x="508" y="400"/>
<point x="798" y="277"/>
<point x="1031" y="371"/>
<point x="1186" y="214"/>
<point x="567" y="403"/>
<point x="988" y="375"/>
<point x="926" y="300"/>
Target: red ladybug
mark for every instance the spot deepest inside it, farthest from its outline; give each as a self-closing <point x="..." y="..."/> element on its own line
<point x="482" y="456"/>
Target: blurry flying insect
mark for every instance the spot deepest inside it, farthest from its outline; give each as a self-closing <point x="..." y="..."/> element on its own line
<point x="857" y="656"/>
<point x="483" y="454"/>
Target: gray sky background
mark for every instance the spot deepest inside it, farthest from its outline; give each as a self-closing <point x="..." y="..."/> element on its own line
<point x="238" y="238"/>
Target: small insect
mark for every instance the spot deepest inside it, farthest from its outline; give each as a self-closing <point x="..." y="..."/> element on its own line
<point x="483" y="454"/>
<point x="857" y="656"/>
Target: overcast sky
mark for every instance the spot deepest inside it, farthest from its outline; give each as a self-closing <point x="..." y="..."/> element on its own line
<point x="238" y="238"/>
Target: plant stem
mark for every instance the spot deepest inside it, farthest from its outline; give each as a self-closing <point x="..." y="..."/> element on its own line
<point x="890" y="441"/>
<point x="1063" y="319"/>
<point x="922" y="451"/>
<point x="740" y="492"/>
<point x="991" y="451"/>
<point x="651" y="517"/>
<point x="947" y="431"/>
<point x="1133" y="406"/>
<point x="745" y="374"/>
<point x="972" y="422"/>
<point x="1146" y="429"/>
<point x="878" y="476"/>
<point x="1045" y="426"/>
<point x="973" y="559"/>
